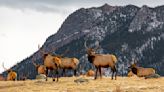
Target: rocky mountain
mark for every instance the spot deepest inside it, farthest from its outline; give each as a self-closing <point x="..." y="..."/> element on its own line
<point x="129" y="32"/>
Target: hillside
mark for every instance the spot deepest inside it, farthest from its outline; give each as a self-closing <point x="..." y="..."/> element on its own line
<point x="129" y="32"/>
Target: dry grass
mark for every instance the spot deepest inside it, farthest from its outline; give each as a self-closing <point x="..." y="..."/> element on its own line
<point x="67" y="84"/>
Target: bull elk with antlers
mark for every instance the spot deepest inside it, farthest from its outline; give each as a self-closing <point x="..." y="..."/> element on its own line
<point x="12" y="75"/>
<point x="101" y="60"/>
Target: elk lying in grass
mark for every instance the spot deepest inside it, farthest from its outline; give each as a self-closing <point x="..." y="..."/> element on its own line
<point x="12" y="75"/>
<point x="90" y="73"/>
<point x="67" y="63"/>
<point x="130" y="73"/>
<point x="41" y="69"/>
<point x="140" y="71"/>
<point x="102" y="60"/>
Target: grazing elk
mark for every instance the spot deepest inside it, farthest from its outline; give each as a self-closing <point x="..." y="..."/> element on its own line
<point x="101" y="60"/>
<point x="140" y="71"/>
<point x="12" y="75"/>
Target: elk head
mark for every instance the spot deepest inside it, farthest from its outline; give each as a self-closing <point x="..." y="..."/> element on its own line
<point x="8" y="70"/>
<point x="91" y="51"/>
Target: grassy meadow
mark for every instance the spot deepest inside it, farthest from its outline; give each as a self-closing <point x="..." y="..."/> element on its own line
<point x="67" y="84"/>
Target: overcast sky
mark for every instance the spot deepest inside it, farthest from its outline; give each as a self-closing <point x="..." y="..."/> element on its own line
<point x="26" y="23"/>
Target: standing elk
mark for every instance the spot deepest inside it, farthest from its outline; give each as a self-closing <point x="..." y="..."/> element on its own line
<point x="49" y="63"/>
<point x="67" y="63"/>
<point x="102" y="60"/>
<point x="140" y="71"/>
<point x="12" y="75"/>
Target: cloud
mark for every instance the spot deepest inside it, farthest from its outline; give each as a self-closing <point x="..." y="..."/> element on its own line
<point x="66" y="6"/>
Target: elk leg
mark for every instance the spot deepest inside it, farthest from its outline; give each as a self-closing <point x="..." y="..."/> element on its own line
<point x="96" y="72"/>
<point x="63" y="74"/>
<point x="112" y="72"/>
<point x="75" y="72"/>
<point x="46" y="73"/>
<point x="53" y="75"/>
<point x="100" y="72"/>
<point x="115" y="72"/>
<point x="57" y="74"/>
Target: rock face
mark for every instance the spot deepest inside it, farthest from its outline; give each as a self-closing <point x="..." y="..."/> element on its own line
<point x="129" y="32"/>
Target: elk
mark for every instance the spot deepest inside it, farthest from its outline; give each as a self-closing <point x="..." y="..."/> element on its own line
<point x="12" y="75"/>
<point x="41" y="69"/>
<point x="102" y="60"/>
<point x="49" y="63"/>
<point x="90" y="73"/>
<point x="130" y="73"/>
<point x="140" y="71"/>
<point x="67" y="63"/>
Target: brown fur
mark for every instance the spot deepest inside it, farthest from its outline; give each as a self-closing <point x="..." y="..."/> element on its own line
<point x="142" y="72"/>
<point x="130" y="74"/>
<point x="90" y="73"/>
<point x="50" y="64"/>
<point x="11" y="76"/>
<point x="67" y="63"/>
<point x="102" y="60"/>
<point x="41" y="69"/>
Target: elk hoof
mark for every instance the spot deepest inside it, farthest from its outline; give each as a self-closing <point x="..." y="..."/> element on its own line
<point x="53" y="79"/>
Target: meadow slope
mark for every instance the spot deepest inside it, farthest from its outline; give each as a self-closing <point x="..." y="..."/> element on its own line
<point x="67" y="84"/>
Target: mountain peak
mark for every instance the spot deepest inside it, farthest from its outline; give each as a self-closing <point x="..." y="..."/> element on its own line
<point x="107" y="7"/>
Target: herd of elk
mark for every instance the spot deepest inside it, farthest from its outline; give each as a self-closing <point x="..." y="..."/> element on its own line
<point x="56" y="62"/>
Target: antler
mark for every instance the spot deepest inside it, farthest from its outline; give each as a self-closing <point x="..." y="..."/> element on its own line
<point x="65" y="52"/>
<point x="34" y="62"/>
<point x="85" y="44"/>
<point x="97" y="47"/>
<point x="4" y="66"/>
<point x="42" y="51"/>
